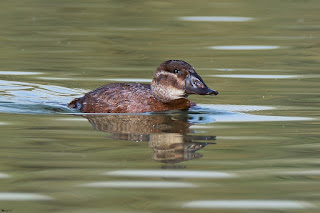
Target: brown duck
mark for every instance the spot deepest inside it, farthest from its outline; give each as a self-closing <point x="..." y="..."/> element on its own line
<point x="174" y="80"/>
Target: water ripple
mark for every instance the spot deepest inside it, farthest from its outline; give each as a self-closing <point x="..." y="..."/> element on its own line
<point x="128" y="79"/>
<point x="302" y="172"/>
<point x="23" y="97"/>
<point x="248" y="204"/>
<point x="2" y="175"/>
<point x="171" y="174"/>
<point x="19" y="73"/>
<point x="139" y="184"/>
<point x="257" y="76"/>
<point x="207" y="113"/>
<point x="16" y="196"/>
<point x="215" y="18"/>
<point x="245" y="47"/>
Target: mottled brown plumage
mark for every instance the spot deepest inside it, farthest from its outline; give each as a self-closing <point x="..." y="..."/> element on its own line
<point x="173" y="82"/>
<point x="125" y="97"/>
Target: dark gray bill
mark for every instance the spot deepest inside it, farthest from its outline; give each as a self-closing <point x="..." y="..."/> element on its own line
<point x="195" y="85"/>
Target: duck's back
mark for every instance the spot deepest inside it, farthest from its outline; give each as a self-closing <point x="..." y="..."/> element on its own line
<point x="124" y="98"/>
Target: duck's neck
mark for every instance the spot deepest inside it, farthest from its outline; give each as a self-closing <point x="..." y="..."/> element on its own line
<point x="160" y="93"/>
<point x="166" y="93"/>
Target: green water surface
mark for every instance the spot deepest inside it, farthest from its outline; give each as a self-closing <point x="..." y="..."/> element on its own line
<point x="253" y="148"/>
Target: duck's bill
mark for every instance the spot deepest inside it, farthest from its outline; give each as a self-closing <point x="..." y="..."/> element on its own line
<point x="195" y="85"/>
<point x="209" y="92"/>
<point x="202" y="91"/>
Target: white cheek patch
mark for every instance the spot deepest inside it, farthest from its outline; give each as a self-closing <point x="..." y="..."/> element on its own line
<point x="176" y="93"/>
<point x="165" y="87"/>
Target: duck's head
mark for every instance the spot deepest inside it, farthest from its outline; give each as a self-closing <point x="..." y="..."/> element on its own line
<point x="175" y="79"/>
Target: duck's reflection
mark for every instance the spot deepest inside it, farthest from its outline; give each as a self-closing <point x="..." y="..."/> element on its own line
<point x="168" y="134"/>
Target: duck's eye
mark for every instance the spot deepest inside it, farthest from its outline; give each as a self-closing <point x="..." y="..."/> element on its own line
<point x="176" y="71"/>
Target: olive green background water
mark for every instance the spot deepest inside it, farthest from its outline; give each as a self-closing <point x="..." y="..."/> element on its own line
<point x="265" y="118"/>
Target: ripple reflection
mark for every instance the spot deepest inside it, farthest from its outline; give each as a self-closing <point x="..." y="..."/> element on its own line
<point x="16" y="196"/>
<point x="139" y="184"/>
<point x="215" y="18"/>
<point x="248" y="204"/>
<point x="245" y="47"/>
<point x="3" y="175"/>
<point x="167" y="134"/>
<point x="257" y="76"/>
<point x="19" y="73"/>
<point x="171" y="174"/>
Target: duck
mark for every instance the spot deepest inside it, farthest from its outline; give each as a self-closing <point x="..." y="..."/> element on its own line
<point x="173" y="82"/>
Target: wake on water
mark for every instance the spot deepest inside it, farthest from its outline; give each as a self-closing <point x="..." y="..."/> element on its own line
<point x="31" y="98"/>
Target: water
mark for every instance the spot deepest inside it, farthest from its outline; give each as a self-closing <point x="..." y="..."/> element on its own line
<point x="252" y="148"/>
